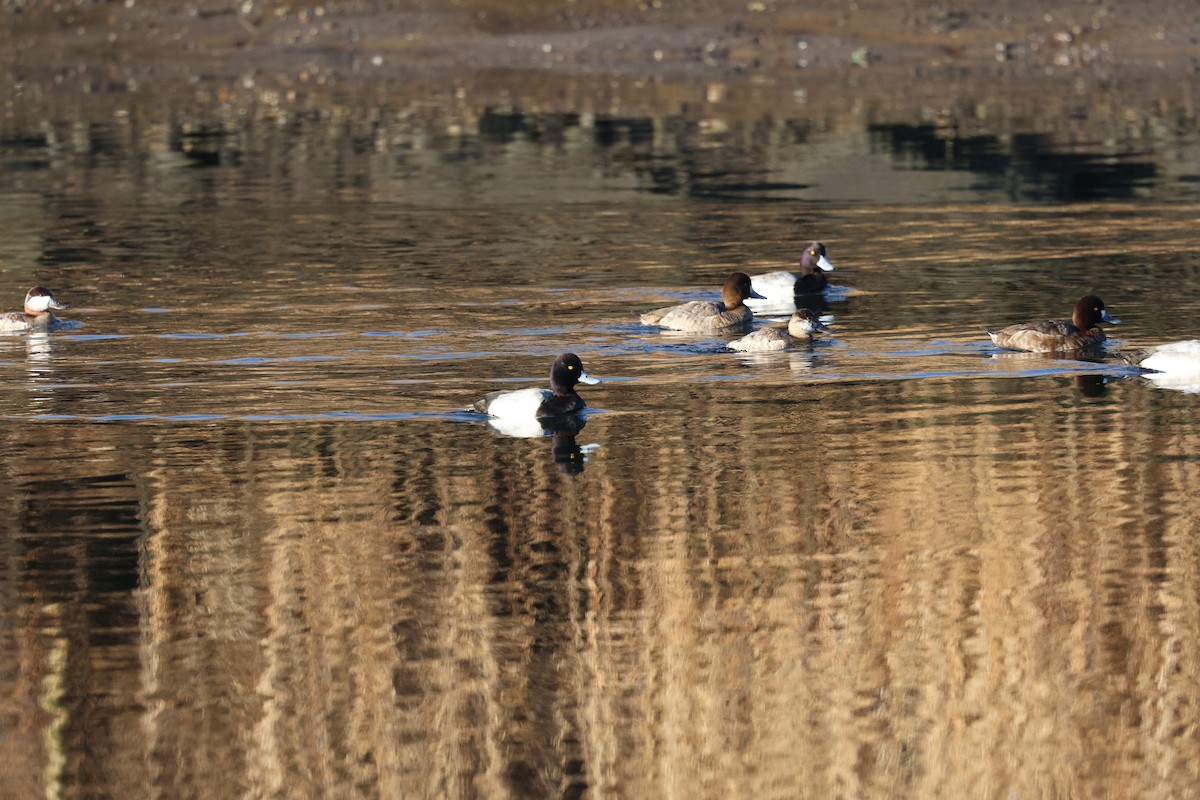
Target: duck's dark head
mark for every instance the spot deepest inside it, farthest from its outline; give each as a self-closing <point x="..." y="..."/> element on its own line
<point x="737" y="288"/>
<point x="813" y="258"/>
<point x="566" y="372"/>
<point x="1090" y="312"/>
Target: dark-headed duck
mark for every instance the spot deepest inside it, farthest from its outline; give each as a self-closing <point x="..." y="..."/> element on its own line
<point x="704" y="316"/>
<point x="1056" y="336"/>
<point x="535" y="402"/>
<point x="810" y="278"/>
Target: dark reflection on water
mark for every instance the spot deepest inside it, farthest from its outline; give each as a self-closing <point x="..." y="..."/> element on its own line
<point x="763" y="160"/>
<point x="254" y="547"/>
<point x="1031" y="168"/>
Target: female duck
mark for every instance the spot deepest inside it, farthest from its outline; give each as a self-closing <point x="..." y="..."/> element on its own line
<point x="37" y="314"/>
<point x="558" y="400"/>
<point x="1056" y="336"/>
<point x="703" y="316"/>
<point x="800" y="329"/>
<point x="784" y="287"/>
<point x="1174" y="358"/>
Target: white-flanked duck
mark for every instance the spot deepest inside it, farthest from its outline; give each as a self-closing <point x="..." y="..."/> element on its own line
<point x="537" y="403"/>
<point x="784" y="287"/>
<point x="1173" y="358"/>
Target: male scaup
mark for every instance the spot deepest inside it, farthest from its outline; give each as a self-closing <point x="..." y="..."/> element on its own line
<point x="785" y="287"/>
<point x="703" y="316"/>
<point x="535" y="402"/>
<point x="37" y="314"/>
<point x="1056" y="336"/>
<point x="800" y="329"/>
<point x="1176" y="358"/>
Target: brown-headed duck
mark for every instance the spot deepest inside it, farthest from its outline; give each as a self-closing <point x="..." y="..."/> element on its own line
<point x="704" y="316"/>
<point x="1056" y="336"/>
<point x="800" y="329"/>
<point x="38" y="313"/>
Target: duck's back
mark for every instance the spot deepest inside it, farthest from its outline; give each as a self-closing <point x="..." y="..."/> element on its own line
<point x="671" y="316"/>
<point x="15" y="321"/>
<point x="763" y="340"/>
<point x="698" y="316"/>
<point x="1174" y="357"/>
<point x="1187" y="346"/>
<point x="1049" y="336"/>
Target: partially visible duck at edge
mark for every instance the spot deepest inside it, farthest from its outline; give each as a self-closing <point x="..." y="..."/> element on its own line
<point x="704" y="316"/>
<point x="800" y="329"/>
<point x="1175" y="358"/>
<point x="810" y="278"/>
<point x="1056" y="336"/>
<point x="538" y="403"/>
<point x="38" y="314"/>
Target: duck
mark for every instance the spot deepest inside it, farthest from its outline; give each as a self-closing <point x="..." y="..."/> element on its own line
<point x="538" y="403"/>
<point x="785" y="287"/>
<point x="704" y="316"/>
<point x="800" y="329"/>
<point x="1056" y="336"/>
<point x="38" y="314"/>
<point x="1175" y="358"/>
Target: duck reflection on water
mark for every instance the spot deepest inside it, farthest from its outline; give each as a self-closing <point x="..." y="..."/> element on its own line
<point x="567" y="454"/>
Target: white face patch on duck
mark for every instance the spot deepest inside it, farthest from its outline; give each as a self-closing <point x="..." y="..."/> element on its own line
<point x="41" y="303"/>
<point x="805" y="323"/>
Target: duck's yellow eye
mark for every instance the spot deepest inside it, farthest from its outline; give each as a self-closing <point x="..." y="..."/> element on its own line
<point x="571" y="368"/>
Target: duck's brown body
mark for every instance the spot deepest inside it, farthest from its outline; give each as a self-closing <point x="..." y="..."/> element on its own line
<point x="1057" y="336"/>
<point x="705" y="316"/>
<point x="801" y="327"/>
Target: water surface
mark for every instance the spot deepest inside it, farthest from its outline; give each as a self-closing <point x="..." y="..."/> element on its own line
<point x="254" y="547"/>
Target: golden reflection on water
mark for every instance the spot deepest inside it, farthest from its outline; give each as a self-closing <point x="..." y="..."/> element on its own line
<point x="252" y="548"/>
<point x="821" y="595"/>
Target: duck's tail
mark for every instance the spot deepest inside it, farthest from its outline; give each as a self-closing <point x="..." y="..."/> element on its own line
<point x="1135" y="357"/>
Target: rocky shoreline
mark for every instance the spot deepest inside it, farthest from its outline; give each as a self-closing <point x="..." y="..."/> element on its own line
<point x="739" y="58"/>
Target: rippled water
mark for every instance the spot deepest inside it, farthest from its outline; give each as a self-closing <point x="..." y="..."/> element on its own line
<point x="254" y="547"/>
